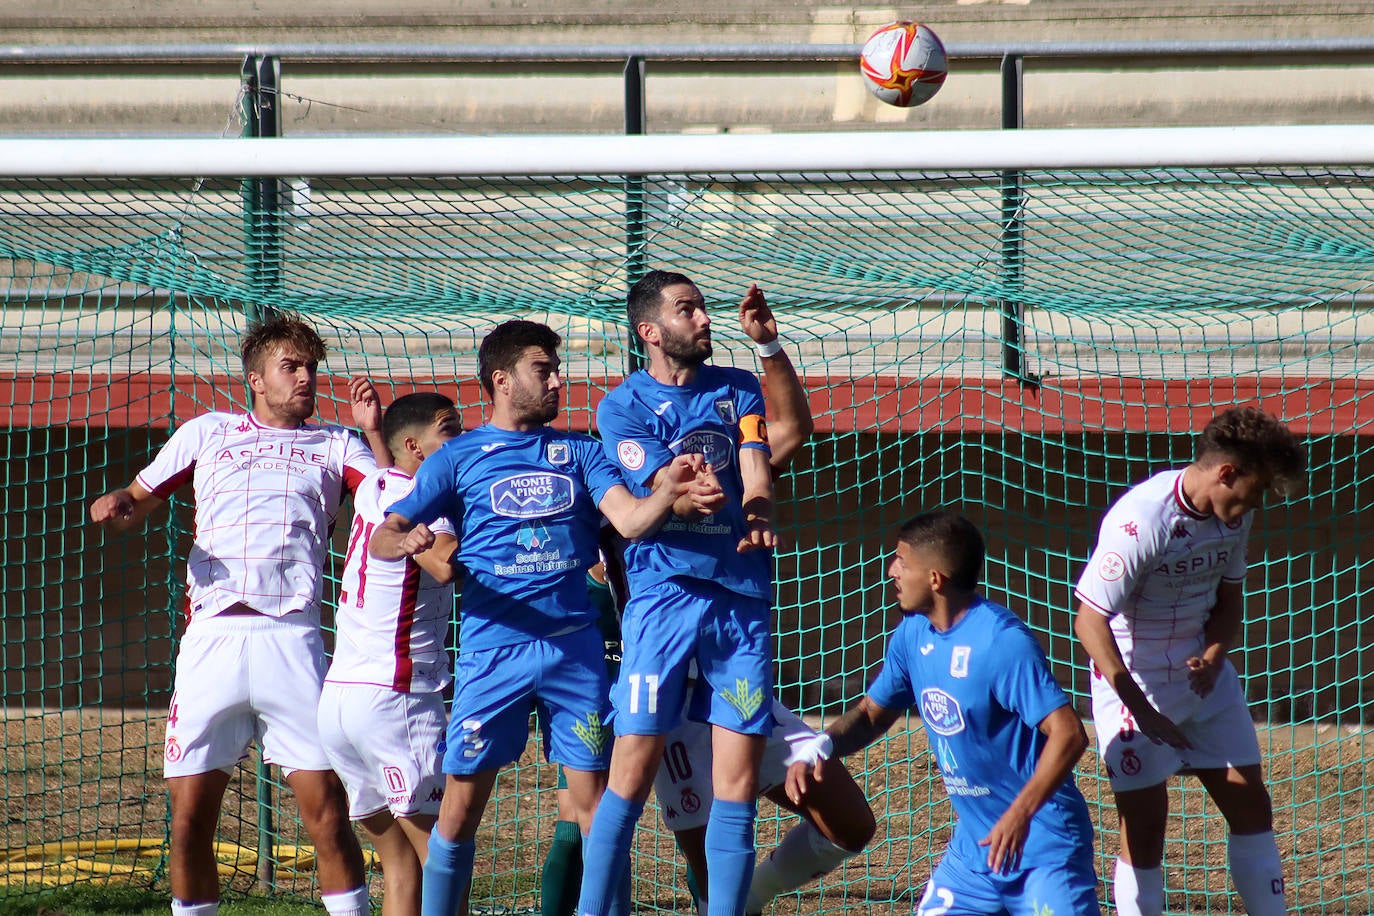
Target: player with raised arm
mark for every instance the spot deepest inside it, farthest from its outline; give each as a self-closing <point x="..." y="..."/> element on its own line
<point x="1160" y="606"/>
<point x="1000" y="727"/>
<point x="700" y="591"/>
<point x="268" y="485"/>
<point x="527" y="502"/>
<point x="381" y="713"/>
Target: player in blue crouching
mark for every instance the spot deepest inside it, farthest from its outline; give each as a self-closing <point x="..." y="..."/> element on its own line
<point x="526" y="501"/>
<point x="1000" y="727"/>
<point x="700" y="590"/>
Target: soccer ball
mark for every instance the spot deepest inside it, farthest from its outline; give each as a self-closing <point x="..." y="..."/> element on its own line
<point x="903" y="63"/>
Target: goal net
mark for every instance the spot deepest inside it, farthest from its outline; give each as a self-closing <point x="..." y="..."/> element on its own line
<point x="1017" y="325"/>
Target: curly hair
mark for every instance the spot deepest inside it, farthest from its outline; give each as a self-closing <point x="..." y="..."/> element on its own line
<point x="1256" y="443"/>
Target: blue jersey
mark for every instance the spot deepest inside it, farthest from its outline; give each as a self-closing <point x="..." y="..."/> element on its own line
<point x="524" y="505"/>
<point x="981" y="688"/>
<point x="644" y="424"/>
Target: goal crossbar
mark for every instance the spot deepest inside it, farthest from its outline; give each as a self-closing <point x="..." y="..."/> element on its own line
<point x="371" y="156"/>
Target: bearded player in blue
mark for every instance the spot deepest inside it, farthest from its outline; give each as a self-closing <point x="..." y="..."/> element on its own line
<point x="526" y="501"/>
<point x="999" y="726"/>
<point x="700" y="590"/>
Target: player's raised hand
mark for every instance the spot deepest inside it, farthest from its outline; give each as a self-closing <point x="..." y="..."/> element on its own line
<point x="1006" y="840"/>
<point x="1203" y="674"/>
<point x="756" y="318"/>
<point x="115" y="506"/>
<point x="417" y="540"/>
<point x="365" y="403"/>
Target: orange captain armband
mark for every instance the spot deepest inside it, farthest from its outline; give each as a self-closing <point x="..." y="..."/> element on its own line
<point x="753" y="430"/>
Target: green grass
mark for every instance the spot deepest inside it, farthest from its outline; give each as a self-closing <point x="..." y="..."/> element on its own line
<point x="130" y="901"/>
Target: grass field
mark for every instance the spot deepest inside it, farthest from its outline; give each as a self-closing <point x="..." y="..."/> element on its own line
<point x="85" y="780"/>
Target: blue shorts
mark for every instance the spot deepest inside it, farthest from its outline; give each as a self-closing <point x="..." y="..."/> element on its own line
<point x="673" y="623"/>
<point x="1062" y="888"/>
<point x="563" y="676"/>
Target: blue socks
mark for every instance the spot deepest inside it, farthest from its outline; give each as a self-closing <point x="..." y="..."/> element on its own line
<point x="448" y="869"/>
<point x="606" y="857"/>
<point x="730" y="850"/>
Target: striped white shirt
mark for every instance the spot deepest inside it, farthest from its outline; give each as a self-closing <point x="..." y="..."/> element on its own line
<point x="265" y="502"/>
<point x="393" y="616"/>
<point x="1155" y="572"/>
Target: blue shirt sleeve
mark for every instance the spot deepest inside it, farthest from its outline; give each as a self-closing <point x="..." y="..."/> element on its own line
<point x="1023" y="682"/>
<point x="598" y="473"/>
<point x="629" y="441"/>
<point x="750" y="403"/>
<point x="893" y="688"/>
<point x="435" y="493"/>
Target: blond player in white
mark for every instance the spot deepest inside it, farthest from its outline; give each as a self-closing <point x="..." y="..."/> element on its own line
<point x="268" y="485"/>
<point x="382" y="716"/>
<point x="1160" y="605"/>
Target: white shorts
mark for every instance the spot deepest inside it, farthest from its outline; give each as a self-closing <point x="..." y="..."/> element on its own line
<point x="246" y="678"/>
<point x="683" y="781"/>
<point x="385" y="746"/>
<point x="1218" y="725"/>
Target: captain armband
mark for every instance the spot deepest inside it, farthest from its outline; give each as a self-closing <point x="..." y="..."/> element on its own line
<point x="753" y="430"/>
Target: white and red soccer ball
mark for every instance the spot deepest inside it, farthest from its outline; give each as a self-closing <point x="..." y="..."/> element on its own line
<point x="903" y="63"/>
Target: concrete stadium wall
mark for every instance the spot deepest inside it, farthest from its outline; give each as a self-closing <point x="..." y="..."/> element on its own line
<point x="486" y="98"/>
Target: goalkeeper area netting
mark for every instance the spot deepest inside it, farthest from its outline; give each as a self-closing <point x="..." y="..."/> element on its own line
<point x="1017" y="325"/>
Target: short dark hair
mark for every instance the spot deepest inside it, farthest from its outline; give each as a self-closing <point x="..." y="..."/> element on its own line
<point x="281" y="328"/>
<point x="646" y="296"/>
<point x="411" y="413"/>
<point x="954" y="539"/>
<point x="1256" y="443"/>
<point x="502" y="348"/>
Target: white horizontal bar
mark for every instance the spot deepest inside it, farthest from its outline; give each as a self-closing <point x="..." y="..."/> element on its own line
<point x="875" y="151"/>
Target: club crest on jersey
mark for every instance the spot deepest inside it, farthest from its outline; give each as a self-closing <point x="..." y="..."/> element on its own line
<point x="531" y="495"/>
<point x="940" y="712"/>
<point x="726" y="408"/>
<point x="716" y="447"/>
<point x="558" y="453"/>
<point x="958" y="662"/>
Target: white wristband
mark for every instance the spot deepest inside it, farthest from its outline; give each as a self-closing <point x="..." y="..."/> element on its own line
<point x="772" y="348"/>
<point x="811" y="751"/>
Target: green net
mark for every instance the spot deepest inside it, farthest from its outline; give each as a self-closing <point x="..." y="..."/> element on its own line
<point x="1019" y="346"/>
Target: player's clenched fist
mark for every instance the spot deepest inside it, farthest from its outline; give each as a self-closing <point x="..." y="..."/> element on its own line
<point x="417" y="540"/>
<point x="117" y="505"/>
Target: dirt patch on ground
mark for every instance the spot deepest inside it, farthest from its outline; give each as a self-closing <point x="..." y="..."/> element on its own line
<point x="73" y="779"/>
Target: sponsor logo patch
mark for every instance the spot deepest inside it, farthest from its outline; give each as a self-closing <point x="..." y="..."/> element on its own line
<point x="716" y="447"/>
<point x="532" y="495"/>
<point x="940" y="712"/>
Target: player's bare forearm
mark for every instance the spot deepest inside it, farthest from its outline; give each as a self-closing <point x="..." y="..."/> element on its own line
<point x="790" y="422"/>
<point x="1065" y="743"/>
<point x="123" y="508"/>
<point x="637" y="518"/>
<point x="438" y="559"/>
<point x="1095" y="633"/>
<point x="1224" y="623"/>
<point x="861" y="726"/>
<point x="757" y="502"/>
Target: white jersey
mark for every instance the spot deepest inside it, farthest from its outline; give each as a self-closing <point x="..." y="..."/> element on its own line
<point x="393" y="616"/>
<point x="266" y="499"/>
<point x="1155" y="572"/>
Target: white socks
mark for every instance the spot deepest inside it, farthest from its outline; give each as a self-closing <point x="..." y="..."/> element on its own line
<point x="803" y="854"/>
<point x="348" y="903"/>
<point x="1257" y="872"/>
<point x="1138" y="891"/>
<point x="194" y="909"/>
